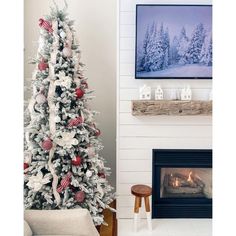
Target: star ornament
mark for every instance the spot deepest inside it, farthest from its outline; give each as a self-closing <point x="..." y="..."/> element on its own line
<point x="67" y="140"/>
<point x="63" y="80"/>
<point x="36" y="182"/>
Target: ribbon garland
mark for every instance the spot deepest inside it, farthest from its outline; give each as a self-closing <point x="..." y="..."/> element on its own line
<point x="52" y="108"/>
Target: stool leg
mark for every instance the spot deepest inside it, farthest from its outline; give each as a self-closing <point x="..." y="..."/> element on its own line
<point x="136" y="212"/>
<point x="140" y="205"/>
<point x="148" y="212"/>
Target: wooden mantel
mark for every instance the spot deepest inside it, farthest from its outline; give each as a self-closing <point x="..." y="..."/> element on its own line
<point x="171" y="108"/>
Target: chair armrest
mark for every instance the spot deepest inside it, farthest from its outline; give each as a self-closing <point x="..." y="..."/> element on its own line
<point x="76" y="222"/>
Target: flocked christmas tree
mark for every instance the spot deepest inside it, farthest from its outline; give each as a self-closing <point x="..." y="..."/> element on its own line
<point x="63" y="168"/>
<point x="195" y="45"/>
<point x="183" y="44"/>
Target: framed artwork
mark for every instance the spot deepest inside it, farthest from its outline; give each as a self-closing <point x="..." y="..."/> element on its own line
<point x="173" y="42"/>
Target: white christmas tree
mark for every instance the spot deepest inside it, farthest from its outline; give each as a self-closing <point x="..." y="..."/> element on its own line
<point x="140" y="58"/>
<point x="150" y="48"/>
<point x="195" y="45"/>
<point x="155" y="52"/>
<point x="142" y="51"/>
<point x="206" y="53"/>
<point x="63" y="168"/>
<point x="183" y="44"/>
<point x="174" y="56"/>
<point x="166" y="49"/>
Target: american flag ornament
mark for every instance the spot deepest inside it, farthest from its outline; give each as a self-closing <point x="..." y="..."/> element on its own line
<point x="65" y="182"/>
<point x="46" y="25"/>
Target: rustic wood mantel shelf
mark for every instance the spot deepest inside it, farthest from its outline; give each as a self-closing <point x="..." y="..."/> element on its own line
<point x="171" y="108"/>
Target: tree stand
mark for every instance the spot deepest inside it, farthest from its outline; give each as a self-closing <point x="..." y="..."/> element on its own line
<point x="142" y="191"/>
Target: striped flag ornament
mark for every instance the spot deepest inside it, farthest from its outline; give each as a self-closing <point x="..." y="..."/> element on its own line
<point x="75" y="122"/>
<point x="46" y="25"/>
<point x="65" y="182"/>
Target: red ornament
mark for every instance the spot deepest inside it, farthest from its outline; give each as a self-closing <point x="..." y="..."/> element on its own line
<point x="98" y="132"/>
<point x="46" y="25"/>
<point x="80" y="196"/>
<point x="102" y="175"/>
<point x="47" y="144"/>
<point x="75" y="122"/>
<point x="42" y="65"/>
<point x="77" y="161"/>
<point x="65" y="182"/>
<point x="26" y="165"/>
<point x="79" y="93"/>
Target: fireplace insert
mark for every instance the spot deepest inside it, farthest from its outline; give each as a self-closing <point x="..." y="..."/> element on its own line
<point x="182" y="183"/>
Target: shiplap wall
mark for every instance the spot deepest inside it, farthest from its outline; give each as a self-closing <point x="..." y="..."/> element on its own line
<point x="137" y="136"/>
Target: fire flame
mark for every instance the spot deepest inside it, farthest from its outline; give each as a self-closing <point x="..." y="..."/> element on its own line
<point x="176" y="182"/>
<point x="190" y="177"/>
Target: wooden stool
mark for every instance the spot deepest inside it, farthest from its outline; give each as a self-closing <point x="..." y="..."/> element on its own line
<point x="142" y="191"/>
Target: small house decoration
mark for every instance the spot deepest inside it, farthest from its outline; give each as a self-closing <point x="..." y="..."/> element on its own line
<point x="186" y="93"/>
<point x="210" y="95"/>
<point x="145" y="92"/>
<point x="159" y="93"/>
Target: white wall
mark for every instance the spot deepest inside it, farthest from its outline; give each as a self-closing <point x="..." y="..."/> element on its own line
<point x="137" y="136"/>
<point x="95" y="24"/>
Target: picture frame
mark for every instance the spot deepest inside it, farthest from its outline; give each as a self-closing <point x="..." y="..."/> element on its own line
<point x="183" y="61"/>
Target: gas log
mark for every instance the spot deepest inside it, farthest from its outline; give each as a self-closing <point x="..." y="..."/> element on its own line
<point x="180" y="184"/>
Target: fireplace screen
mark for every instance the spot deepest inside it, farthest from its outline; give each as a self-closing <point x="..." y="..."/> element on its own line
<point x="186" y="183"/>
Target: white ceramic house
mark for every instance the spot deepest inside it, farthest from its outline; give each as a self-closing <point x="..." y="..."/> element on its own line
<point x="186" y="93"/>
<point x="159" y="93"/>
<point x="145" y="92"/>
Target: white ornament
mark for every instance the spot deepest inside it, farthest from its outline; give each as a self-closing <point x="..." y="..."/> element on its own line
<point x="186" y="93"/>
<point x="57" y="119"/>
<point x="63" y="34"/>
<point x="89" y="173"/>
<point x="40" y="98"/>
<point x="67" y="52"/>
<point x="67" y="140"/>
<point x="69" y="43"/>
<point x="210" y="95"/>
<point x="159" y="93"/>
<point x="36" y="182"/>
<point x="145" y="92"/>
<point x="63" y="80"/>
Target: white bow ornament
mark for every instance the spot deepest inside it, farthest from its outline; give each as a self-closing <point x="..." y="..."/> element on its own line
<point x="67" y="140"/>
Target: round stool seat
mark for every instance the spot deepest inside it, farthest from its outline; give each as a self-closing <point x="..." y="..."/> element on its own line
<point x="141" y="190"/>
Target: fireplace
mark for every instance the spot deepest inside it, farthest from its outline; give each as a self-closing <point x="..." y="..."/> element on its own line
<point x="182" y="183"/>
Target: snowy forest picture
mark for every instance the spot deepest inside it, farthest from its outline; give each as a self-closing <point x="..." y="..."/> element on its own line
<point x="173" y="41"/>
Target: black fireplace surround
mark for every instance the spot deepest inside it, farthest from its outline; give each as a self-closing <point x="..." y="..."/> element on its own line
<point x="184" y="207"/>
